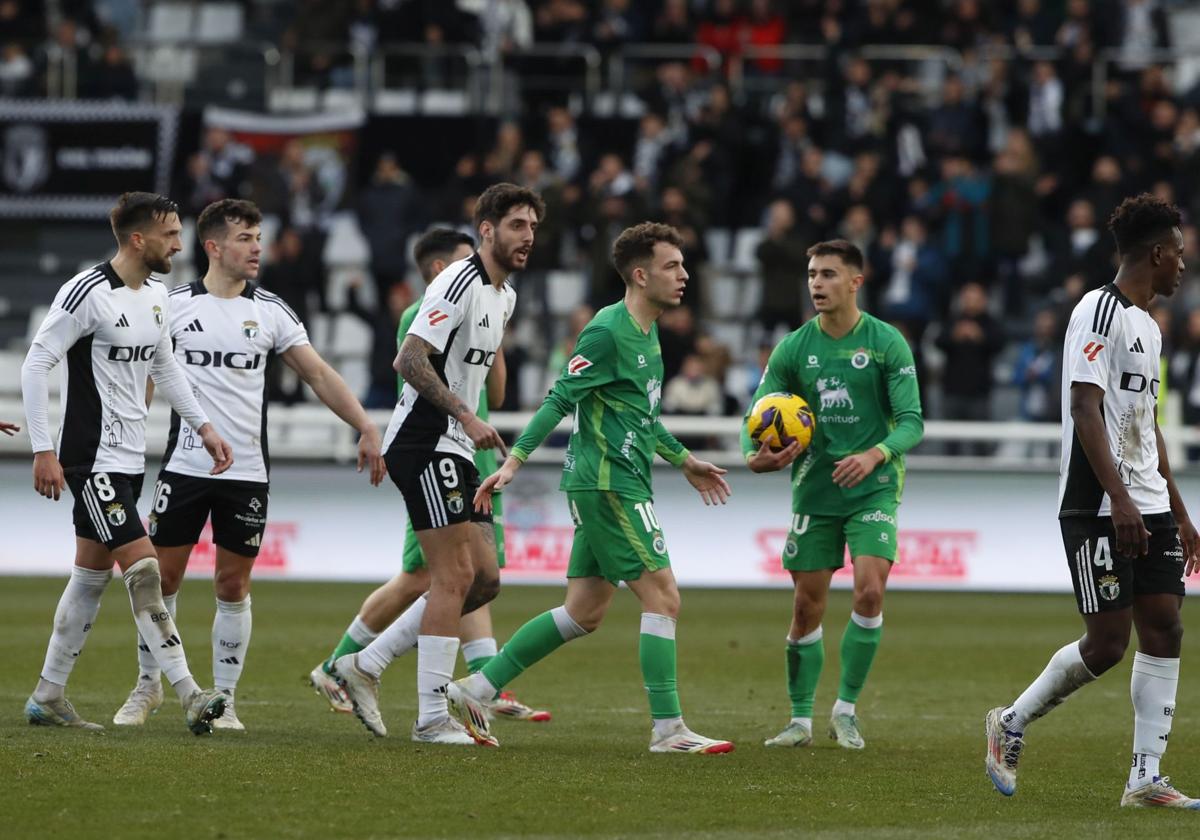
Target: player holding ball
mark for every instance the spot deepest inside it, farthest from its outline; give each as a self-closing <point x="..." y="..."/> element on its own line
<point x="858" y="375"/>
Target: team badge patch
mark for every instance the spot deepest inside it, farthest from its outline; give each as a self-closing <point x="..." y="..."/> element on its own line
<point x="454" y="502"/>
<point x="436" y="317"/>
<point x="255" y="505"/>
<point x="660" y="545"/>
<point x="158" y="316"/>
<point x="153" y="524"/>
<point x="1092" y="349"/>
<point x="1109" y="587"/>
<point x="578" y="365"/>
<point x="790" y="548"/>
<point x="116" y="514"/>
<point x="860" y="359"/>
<point x="250" y="330"/>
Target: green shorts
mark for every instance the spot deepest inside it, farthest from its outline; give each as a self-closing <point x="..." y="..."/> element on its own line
<point x="816" y="541"/>
<point x="615" y="538"/>
<point x="413" y="560"/>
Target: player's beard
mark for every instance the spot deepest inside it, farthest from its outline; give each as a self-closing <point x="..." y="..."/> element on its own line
<point x="504" y="257"/>
<point x="159" y="265"/>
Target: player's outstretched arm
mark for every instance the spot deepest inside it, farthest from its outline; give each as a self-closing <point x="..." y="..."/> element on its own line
<point x="9" y="429"/>
<point x="1187" y="531"/>
<point x="414" y="365"/>
<point x="708" y="479"/>
<point x="496" y="482"/>
<point x="332" y="390"/>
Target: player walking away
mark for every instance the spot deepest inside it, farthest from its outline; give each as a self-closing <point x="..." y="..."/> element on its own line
<point x="110" y="324"/>
<point x="613" y="384"/>
<point x="1128" y="538"/>
<point x="857" y="374"/>
<point x="429" y="447"/>
<point x="433" y="252"/>
<point x="226" y="330"/>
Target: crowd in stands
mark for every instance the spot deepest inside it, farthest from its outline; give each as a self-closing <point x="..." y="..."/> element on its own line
<point x="979" y="190"/>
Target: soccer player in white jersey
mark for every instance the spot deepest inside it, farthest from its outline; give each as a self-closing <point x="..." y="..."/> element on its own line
<point x="225" y="330"/>
<point x="429" y="446"/>
<point x="110" y="324"/>
<point x="1128" y="538"/>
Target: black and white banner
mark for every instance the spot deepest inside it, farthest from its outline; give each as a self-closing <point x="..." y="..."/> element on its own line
<point x="72" y="159"/>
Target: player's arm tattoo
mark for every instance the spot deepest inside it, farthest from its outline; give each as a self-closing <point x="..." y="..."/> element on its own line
<point x="418" y="372"/>
<point x="488" y="531"/>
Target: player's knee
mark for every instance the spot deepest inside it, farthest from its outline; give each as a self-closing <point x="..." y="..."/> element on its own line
<point x="868" y="599"/>
<point x="589" y="617"/>
<point x="1103" y="652"/>
<point x="229" y="587"/>
<point x="172" y="579"/>
<point x="669" y="604"/>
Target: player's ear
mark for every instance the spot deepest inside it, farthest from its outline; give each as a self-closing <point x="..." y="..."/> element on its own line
<point x="485" y="230"/>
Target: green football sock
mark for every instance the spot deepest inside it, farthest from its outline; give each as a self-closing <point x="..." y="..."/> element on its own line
<point x="477" y="664"/>
<point x="656" y="653"/>
<point x="804" y="663"/>
<point x="535" y="640"/>
<point x="345" y="646"/>
<point x="858" y="651"/>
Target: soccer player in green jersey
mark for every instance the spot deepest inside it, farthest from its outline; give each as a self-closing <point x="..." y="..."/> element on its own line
<point x="432" y="252"/>
<point x="613" y="386"/>
<point x="857" y="374"/>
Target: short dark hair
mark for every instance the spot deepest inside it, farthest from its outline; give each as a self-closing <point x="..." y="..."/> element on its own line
<point x="499" y="199"/>
<point x="437" y="243"/>
<point x="216" y="217"/>
<point x="848" y="252"/>
<point x="134" y="210"/>
<point x="636" y="245"/>
<point x="1141" y="222"/>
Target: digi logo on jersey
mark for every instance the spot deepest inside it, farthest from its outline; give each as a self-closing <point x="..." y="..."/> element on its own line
<point x="126" y="353"/>
<point x="475" y="356"/>
<point x="1137" y="383"/>
<point x="216" y="359"/>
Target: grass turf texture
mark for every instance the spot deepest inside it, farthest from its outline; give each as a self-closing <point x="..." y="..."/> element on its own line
<point x="304" y="771"/>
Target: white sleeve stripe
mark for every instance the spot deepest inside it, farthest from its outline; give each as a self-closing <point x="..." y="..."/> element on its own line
<point x="81" y="290"/>
<point x="279" y="302"/>
<point x="460" y="284"/>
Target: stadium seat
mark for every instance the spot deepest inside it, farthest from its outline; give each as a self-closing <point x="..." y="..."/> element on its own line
<point x="394" y="102"/>
<point x="10" y="372"/>
<point x="36" y="316"/>
<point x="723" y="293"/>
<point x="320" y="328"/>
<point x="338" y="285"/>
<point x="745" y="241"/>
<point x="446" y="103"/>
<point x="270" y="229"/>
<point x="565" y="290"/>
<point x="340" y="99"/>
<point x="718" y="241"/>
<point x="345" y="245"/>
<point x="293" y="99"/>
<point x="350" y="337"/>
<point x="219" y="23"/>
<point x="171" y="22"/>
<point x="166" y="65"/>
<point x="187" y="234"/>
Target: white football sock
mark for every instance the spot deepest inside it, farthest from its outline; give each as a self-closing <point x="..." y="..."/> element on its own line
<point x="398" y="639"/>
<point x="803" y="721"/>
<point x="435" y="667"/>
<point x="477" y="649"/>
<point x="479" y="686"/>
<point x="230" y="638"/>
<point x="841" y="707"/>
<point x="156" y="625"/>
<point x="147" y="665"/>
<point x="360" y="632"/>
<point x="1152" y="687"/>
<point x="1063" y="675"/>
<point x="664" y="726"/>
<point x="73" y="619"/>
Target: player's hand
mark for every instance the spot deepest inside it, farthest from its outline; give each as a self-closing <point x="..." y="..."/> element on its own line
<point x="1133" y="540"/>
<point x="494" y="483"/>
<point x="708" y="479"/>
<point x="851" y="470"/>
<point x="767" y="459"/>
<point x="48" y="477"/>
<point x="1191" y="546"/>
<point x="483" y="435"/>
<point x="218" y="449"/>
<point x="369" y="452"/>
<point x="9" y="428"/>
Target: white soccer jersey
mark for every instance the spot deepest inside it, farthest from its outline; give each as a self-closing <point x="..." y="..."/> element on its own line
<point x="224" y="345"/>
<point x="463" y="316"/>
<point x="109" y="335"/>
<point x="1115" y="345"/>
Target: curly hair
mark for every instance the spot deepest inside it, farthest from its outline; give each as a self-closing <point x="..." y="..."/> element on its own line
<point x="636" y="245"/>
<point x="499" y="199"/>
<point x="1141" y="222"/>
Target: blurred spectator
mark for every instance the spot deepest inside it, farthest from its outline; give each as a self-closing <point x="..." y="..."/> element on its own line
<point x="1184" y="376"/>
<point x="562" y="144"/>
<point x="1083" y="249"/>
<point x="677" y="334"/>
<point x="390" y="210"/>
<point x="16" y="71"/>
<point x="1012" y="224"/>
<point x="1031" y="26"/>
<point x="112" y="77"/>
<point x="673" y="25"/>
<point x="783" y="265"/>
<point x="958" y="204"/>
<point x="565" y="349"/>
<point x="298" y="280"/>
<point x="971" y="340"/>
<point x="693" y="391"/>
<point x="618" y="22"/>
<point x="955" y="125"/>
<point x="319" y="36"/>
<point x="1037" y="372"/>
<point x="226" y="163"/>
<point x="764" y="27"/>
<point x="384" y="321"/>
<point x="22" y="21"/>
<point x="913" y="277"/>
<point x="561" y="21"/>
<point x="675" y="211"/>
<point x="649" y="150"/>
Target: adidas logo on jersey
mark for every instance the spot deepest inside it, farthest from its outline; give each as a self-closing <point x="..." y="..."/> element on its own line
<point x="484" y="322"/>
<point x="124" y="322"/>
<point x="1137" y="347"/>
<point x="255" y="541"/>
<point x="194" y="326"/>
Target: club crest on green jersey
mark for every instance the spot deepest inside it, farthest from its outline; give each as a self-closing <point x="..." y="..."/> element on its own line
<point x="834" y="393"/>
<point x="653" y="391"/>
<point x="860" y="359"/>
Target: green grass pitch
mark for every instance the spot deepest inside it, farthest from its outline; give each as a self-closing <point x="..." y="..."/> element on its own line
<point x="302" y="771"/>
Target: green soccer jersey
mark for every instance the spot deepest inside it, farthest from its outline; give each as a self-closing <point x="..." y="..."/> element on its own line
<point x="862" y="388"/>
<point x="485" y="459"/>
<point x="613" y="383"/>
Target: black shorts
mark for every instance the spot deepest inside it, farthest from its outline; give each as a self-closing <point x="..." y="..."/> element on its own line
<point x="106" y="507"/>
<point x="438" y="489"/>
<point x="182" y="504"/>
<point x="1105" y="580"/>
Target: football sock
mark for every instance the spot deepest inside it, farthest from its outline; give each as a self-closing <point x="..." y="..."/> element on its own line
<point x="73" y="619"/>
<point x="1063" y="675"/>
<point x="1152" y="688"/>
<point x="357" y="636"/>
<point x="664" y="726"/>
<point x="230" y="638"/>
<point x="805" y="658"/>
<point x="859" y="643"/>
<point x="156" y="625"/>
<point x="398" y="639"/>
<point x="656" y="653"/>
<point x="435" y="668"/>
<point x="534" y="640"/>
<point x="147" y="665"/>
<point x="478" y="652"/>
